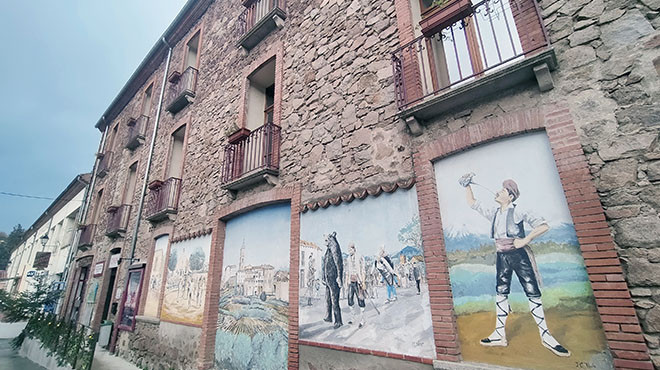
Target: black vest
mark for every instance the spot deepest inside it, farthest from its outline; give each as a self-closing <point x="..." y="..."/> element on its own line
<point x="513" y="230"/>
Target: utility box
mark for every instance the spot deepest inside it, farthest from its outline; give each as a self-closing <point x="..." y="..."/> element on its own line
<point x="104" y="333"/>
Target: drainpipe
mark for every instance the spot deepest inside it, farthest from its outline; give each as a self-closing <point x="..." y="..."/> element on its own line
<point x="151" y="152"/>
<point x="80" y="218"/>
<point x="143" y="194"/>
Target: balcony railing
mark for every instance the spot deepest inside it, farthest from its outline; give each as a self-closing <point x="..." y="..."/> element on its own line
<point x="163" y="199"/>
<point x="496" y="35"/>
<point x="182" y="90"/>
<point x="118" y="220"/>
<point x="104" y="164"/>
<point x="137" y="129"/>
<point x="86" y="236"/>
<point x="256" y="153"/>
<point x="259" y="18"/>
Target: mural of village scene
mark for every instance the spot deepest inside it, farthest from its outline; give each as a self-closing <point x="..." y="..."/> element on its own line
<point x="185" y="288"/>
<point x="369" y="255"/>
<point x="254" y="300"/>
<point x="499" y="321"/>
<point x="156" y="277"/>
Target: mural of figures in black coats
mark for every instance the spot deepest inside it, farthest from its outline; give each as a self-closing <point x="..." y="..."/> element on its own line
<point x="333" y="274"/>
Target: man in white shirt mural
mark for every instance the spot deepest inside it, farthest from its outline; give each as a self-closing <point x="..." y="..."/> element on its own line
<point x="513" y="255"/>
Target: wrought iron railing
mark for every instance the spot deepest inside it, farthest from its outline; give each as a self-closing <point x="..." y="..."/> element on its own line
<point x="104" y="164"/>
<point x="259" y="150"/>
<point x="86" y="235"/>
<point x="256" y="11"/>
<point x="497" y="32"/>
<point x="118" y="219"/>
<point x="137" y="131"/>
<point x="163" y="198"/>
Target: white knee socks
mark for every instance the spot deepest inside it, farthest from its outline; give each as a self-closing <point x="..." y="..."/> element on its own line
<point x="536" y="308"/>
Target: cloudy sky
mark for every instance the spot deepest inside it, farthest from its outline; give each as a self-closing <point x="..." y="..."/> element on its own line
<point x="266" y="233"/>
<point x="63" y="63"/>
<point x="527" y="159"/>
<point x="369" y="223"/>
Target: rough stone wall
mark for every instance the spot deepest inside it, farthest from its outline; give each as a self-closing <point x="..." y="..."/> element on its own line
<point x="608" y="59"/>
<point x="160" y="346"/>
<point x="340" y="131"/>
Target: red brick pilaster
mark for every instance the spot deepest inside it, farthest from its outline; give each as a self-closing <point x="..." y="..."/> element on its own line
<point x="210" y="316"/>
<point x="620" y="322"/>
<point x="529" y="25"/>
<point x="412" y="82"/>
<point x="294" y="271"/>
<point x="437" y="269"/>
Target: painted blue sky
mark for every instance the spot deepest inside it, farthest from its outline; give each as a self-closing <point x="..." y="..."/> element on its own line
<point x="266" y="232"/>
<point x="369" y="223"/>
<point x="527" y="159"/>
<point x="63" y="63"/>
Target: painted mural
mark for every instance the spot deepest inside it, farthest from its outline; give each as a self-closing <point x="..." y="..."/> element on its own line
<point x="363" y="278"/>
<point x="521" y="291"/>
<point x="155" y="281"/>
<point x="254" y="299"/>
<point x="185" y="288"/>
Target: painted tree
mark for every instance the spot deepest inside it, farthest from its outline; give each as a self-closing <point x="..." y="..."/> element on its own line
<point x="171" y="263"/>
<point x="197" y="260"/>
<point x="411" y="234"/>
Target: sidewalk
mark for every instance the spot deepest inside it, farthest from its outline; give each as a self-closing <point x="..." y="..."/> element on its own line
<point x="103" y="360"/>
<point x="10" y="360"/>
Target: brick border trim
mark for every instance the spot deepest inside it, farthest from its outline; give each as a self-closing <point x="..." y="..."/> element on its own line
<point x="615" y="306"/>
<point x="363" y="351"/>
<point x="358" y="194"/>
<point x="290" y="194"/>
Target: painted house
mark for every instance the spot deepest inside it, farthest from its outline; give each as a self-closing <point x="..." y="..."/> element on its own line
<point x="386" y="125"/>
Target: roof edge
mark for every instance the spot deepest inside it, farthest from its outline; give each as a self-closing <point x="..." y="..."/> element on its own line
<point x="190" y="13"/>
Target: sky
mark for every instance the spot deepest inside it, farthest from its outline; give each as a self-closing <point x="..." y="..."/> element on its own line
<point x="369" y="222"/>
<point x="266" y="233"/>
<point x="526" y="159"/>
<point x="64" y="62"/>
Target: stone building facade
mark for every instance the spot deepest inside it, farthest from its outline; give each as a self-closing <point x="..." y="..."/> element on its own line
<point x="334" y="119"/>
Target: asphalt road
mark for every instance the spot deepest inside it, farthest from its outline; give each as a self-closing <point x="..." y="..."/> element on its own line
<point x="10" y="360"/>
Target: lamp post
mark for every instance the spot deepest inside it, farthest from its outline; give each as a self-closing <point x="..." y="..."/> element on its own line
<point x="44" y="241"/>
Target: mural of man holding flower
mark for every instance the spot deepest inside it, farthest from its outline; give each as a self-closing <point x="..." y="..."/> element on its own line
<point x="513" y="255"/>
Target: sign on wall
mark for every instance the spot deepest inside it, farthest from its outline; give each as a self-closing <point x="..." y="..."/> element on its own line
<point x="185" y="288"/>
<point x="131" y="300"/>
<point x="520" y="287"/>
<point x="41" y="260"/>
<point x="254" y="298"/>
<point x="98" y="268"/>
<point x="363" y="280"/>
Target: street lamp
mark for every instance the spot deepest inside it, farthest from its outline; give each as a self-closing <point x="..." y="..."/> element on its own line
<point x="44" y="240"/>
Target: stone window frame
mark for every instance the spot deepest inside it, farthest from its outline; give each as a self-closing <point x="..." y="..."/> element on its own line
<point x="290" y="194"/>
<point x="198" y="30"/>
<point x="151" y="83"/>
<point x="186" y="135"/>
<point x="612" y="295"/>
<point x="274" y="51"/>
